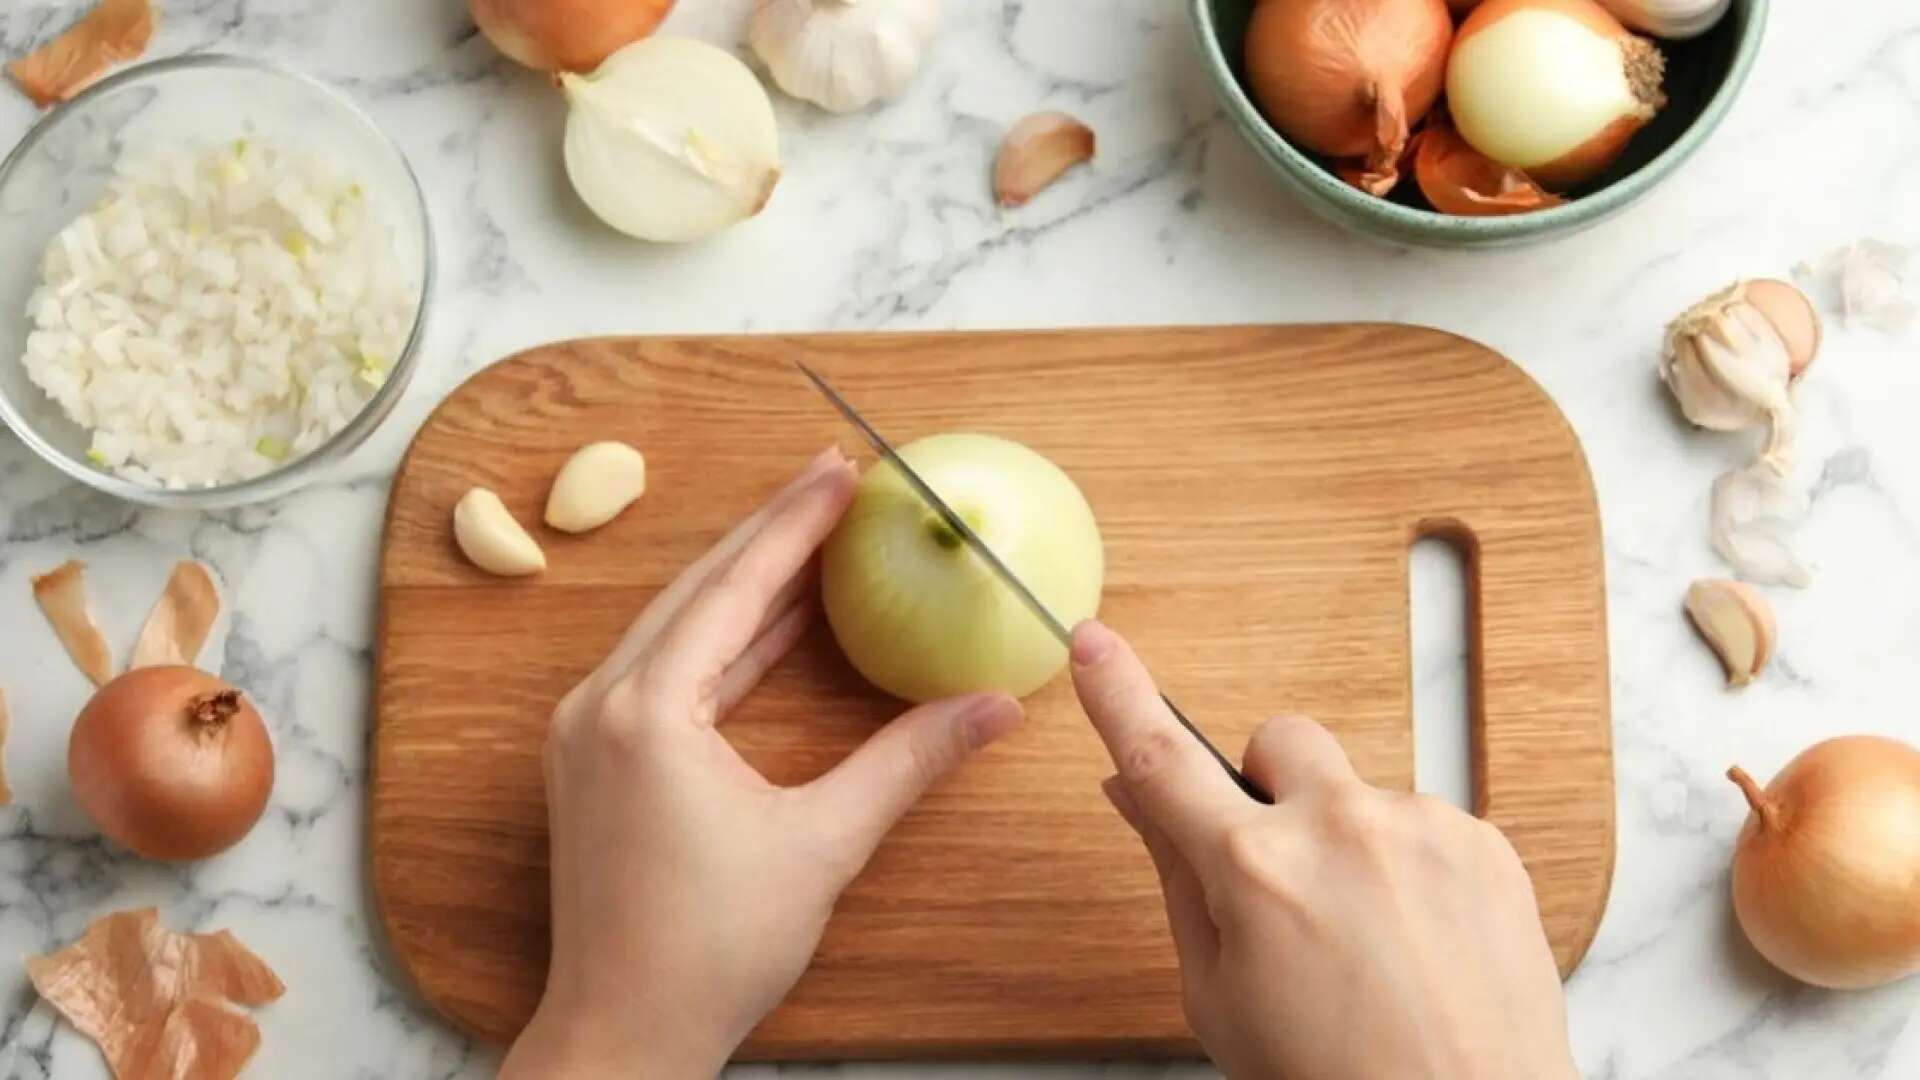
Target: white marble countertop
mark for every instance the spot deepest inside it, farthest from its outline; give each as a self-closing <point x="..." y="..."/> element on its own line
<point x="883" y="220"/>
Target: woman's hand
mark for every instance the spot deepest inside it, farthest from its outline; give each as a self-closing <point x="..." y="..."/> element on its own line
<point x="1344" y="932"/>
<point x="688" y="892"/>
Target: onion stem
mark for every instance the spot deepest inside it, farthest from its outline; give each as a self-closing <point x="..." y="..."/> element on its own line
<point x="213" y="710"/>
<point x="1756" y="798"/>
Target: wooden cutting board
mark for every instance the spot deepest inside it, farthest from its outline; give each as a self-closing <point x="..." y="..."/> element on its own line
<point x="1258" y="489"/>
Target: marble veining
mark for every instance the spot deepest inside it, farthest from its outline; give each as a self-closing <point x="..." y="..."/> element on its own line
<point x="884" y="220"/>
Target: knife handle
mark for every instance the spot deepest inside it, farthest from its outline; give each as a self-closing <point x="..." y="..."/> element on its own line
<point x="1252" y="789"/>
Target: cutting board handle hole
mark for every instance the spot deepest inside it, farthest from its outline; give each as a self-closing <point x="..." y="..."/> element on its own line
<point x="1438" y="583"/>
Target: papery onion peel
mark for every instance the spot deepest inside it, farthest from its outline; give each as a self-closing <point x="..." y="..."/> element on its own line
<point x="113" y="32"/>
<point x="158" y="1003"/>
<point x="1457" y="179"/>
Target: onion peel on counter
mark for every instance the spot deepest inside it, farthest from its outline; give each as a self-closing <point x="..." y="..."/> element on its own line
<point x="178" y="626"/>
<point x="156" y="1002"/>
<point x="1457" y="179"/>
<point x="62" y="595"/>
<point x="113" y="32"/>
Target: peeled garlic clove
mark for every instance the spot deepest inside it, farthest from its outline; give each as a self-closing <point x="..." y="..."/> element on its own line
<point x="490" y="538"/>
<point x="842" y="54"/>
<point x="1034" y="154"/>
<point x="1737" y="622"/>
<point x="1674" y="20"/>
<point x="1730" y="369"/>
<point x="597" y="482"/>
<point x="670" y="139"/>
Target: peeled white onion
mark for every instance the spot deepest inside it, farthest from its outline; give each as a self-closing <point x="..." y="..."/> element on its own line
<point x="1551" y="87"/>
<point x="671" y="139"/>
<point x="919" y="614"/>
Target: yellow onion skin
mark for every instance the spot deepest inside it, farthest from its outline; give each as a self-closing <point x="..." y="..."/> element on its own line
<point x="171" y="763"/>
<point x="917" y="613"/>
<point x="1349" y="78"/>
<point x="1826" y="876"/>
<point x="565" y="35"/>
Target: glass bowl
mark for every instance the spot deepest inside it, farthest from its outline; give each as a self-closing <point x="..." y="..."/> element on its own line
<point x="61" y="168"/>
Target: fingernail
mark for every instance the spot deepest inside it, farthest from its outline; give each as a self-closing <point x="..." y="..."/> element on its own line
<point x="821" y="461"/>
<point x="1092" y="643"/>
<point x="990" y="716"/>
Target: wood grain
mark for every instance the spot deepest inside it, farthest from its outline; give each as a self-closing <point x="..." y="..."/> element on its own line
<point x="1258" y="489"/>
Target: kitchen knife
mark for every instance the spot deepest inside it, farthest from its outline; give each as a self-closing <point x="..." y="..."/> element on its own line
<point x="1000" y="569"/>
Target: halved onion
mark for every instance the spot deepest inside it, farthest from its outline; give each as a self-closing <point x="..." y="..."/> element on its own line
<point x="1554" y="87"/>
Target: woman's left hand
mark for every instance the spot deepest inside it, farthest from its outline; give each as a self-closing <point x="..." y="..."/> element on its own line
<point x="689" y="893"/>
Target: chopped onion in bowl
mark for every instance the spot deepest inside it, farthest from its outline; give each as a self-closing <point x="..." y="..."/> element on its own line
<point x="220" y="312"/>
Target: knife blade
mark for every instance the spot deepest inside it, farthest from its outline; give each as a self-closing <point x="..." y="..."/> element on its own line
<point x="993" y="562"/>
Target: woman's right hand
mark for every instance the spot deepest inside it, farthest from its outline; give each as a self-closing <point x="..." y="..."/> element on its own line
<point x="1343" y="932"/>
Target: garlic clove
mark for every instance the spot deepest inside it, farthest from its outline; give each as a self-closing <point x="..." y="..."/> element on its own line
<point x="1737" y="623"/>
<point x="670" y="140"/>
<point x="1034" y="154"/>
<point x="490" y="538"/>
<point x="1674" y="20"/>
<point x="597" y="482"/>
<point x="841" y="54"/>
<point x="1792" y="316"/>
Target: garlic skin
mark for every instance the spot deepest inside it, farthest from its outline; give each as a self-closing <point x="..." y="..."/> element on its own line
<point x="1868" y="277"/>
<point x="1730" y="370"/>
<point x="670" y="140"/>
<point x="1754" y="513"/>
<point x="1674" y="20"/>
<point x="843" y="55"/>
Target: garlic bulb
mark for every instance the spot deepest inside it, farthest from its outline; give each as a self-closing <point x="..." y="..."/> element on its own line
<point x="1731" y="365"/>
<point x="670" y="139"/>
<point x="842" y="54"/>
<point x="1675" y="20"/>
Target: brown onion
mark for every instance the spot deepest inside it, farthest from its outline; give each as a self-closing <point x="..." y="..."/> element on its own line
<point x="566" y="35"/>
<point x="1349" y="78"/>
<point x="170" y="763"/>
<point x="1826" y="878"/>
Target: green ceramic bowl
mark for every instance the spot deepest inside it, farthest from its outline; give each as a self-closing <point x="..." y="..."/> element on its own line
<point x="1703" y="77"/>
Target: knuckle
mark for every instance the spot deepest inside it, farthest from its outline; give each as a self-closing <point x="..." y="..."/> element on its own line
<point x="1354" y="817"/>
<point x="1252" y="852"/>
<point x="1151" y="756"/>
<point x="932" y="755"/>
